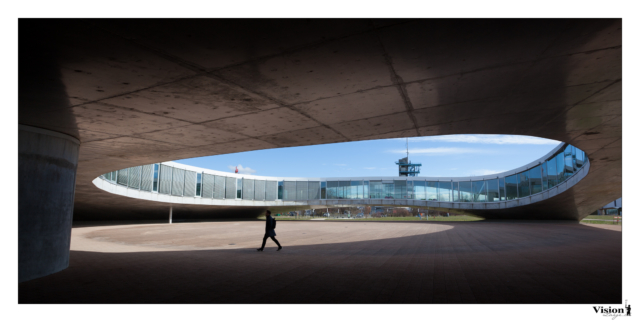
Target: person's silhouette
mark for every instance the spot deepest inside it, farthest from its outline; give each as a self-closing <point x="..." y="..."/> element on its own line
<point x="269" y="231"/>
<point x="629" y="310"/>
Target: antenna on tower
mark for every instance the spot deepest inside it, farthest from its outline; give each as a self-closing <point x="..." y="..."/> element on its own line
<point x="407" y="149"/>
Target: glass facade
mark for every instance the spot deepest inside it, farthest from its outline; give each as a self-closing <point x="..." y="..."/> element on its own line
<point x="568" y="162"/>
<point x="479" y="190"/>
<point x="432" y="190"/>
<point x="465" y="191"/>
<point x="366" y="190"/>
<point x="444" y="191"/>
<point x="156" y="168"/>
<point x="171" y="180"/>
<point x="198" y="184"/>
<point x="552" y="174"/>
<point x="545" y="179"/>
<point x="535" y="180"/>
<point x="456" y="191"/>
<point x="579" y="158"/>
<point x="377" y="191"/>
<point x="523" y="184"/>
<point x="400" y="189"/>
<point x="388" y="190"/>
<point x="280" y="190"/>
<point x="511" y="187"/>
<point x="559" y="168"/>
<point x="420" y="190"/>
<point x="493" y="192"/>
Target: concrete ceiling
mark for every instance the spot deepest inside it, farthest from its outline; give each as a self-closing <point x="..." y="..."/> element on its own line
<point x="138" y="91"/>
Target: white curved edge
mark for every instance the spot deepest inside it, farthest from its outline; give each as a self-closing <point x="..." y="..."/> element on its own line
<point x="117" y="189"/>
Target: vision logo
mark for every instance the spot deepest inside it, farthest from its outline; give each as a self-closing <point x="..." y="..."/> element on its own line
<point x="614" y="312"/>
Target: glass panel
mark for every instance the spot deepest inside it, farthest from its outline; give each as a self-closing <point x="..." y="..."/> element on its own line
<point x="511" y="187"/>
<point x="229" y="187"/>
<point x="302" y="190"/>
<point x="523" y="184"/>
<point x="410" y="193"/>
<point x="579" y="158"/>
<point x="574" y="158"/>
<point x="455" y="192"/>
<point x="388" y="190"/>
<point x="492" y="190"/>
<point x="568" y="163"/>
<point x="377" y="191"/>
<point x="280" y="190"/>
<point x="248" y="189"/>
<point x="419" y="190"/>
<point x="479" y="189"/>
<point x="258" y="191"/>
<point x="545" y="177"/>
<point x="271" y="190"/>
<point x="503" y="195"/>
<point x="219" y="188"/>
<point x="356" y="190"/>
<point x="400" y="189"/>
<point x="239" y="188"/>
<point x="444" y="191"/>
<point x="535" y="180"/>
<point x="432" y="190"/>
<point x="465" y="191"/>
<point x="155" y="177"/>
<point x="365" y="192"/>
<point x="332" y="189"/>
<point x="323" y="190"/>
<point x="559" y="168"/>
<point x="198" y="184"/>
<point x="344" y="189"/>
<point x="552" y="176"/>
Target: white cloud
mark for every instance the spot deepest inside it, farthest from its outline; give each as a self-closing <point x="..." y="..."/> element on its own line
<point x="340" y="164"/>
<point x="485" y="172"/>
<point x="486" y="139"/>
<point x="370" y="168"/>
<point x="441" y="151"/>
<point x="241" y="169"/>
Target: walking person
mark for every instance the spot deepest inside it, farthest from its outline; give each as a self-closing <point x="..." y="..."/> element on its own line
<point x="269" y="231"/>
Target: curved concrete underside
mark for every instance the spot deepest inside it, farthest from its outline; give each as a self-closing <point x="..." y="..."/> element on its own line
<point x="133" y="90"/>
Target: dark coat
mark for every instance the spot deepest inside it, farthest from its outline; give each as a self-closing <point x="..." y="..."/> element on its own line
<point x="270" y="227"/>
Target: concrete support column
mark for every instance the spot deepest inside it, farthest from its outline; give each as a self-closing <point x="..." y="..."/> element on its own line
<point x="47" y="163"/>
<point x="170" y="214"/>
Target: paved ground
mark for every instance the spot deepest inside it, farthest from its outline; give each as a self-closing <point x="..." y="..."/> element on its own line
<point x="338" y="262"/>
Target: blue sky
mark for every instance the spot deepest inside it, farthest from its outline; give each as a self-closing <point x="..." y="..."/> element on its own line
<point x="441" y="156"/>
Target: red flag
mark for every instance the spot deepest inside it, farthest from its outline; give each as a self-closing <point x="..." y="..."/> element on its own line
<point x="236" y="169"/>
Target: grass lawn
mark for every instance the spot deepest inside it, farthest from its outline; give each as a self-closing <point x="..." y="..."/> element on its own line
<point x="607" y="220"/>
<point x="278" y="218"/>
<point x="607" y="217"/>
<point x="431" y="218"/>
<point x="601" y="222"/>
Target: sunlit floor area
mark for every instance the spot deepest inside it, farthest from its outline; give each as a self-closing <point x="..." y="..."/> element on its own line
<point x="338" y="262"/>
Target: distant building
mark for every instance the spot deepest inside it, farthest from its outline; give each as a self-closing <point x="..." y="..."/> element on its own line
<point x="408" y="169"/>
<point x="612" y="208"/>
